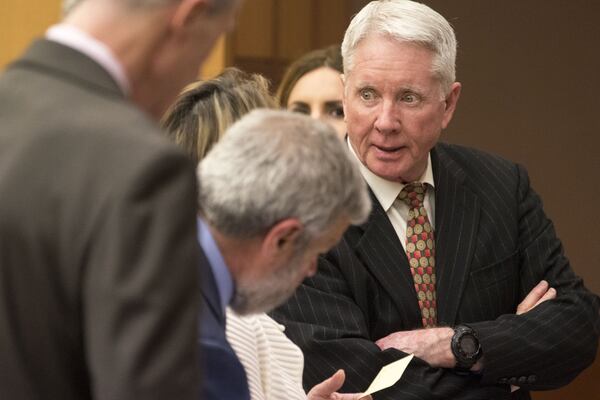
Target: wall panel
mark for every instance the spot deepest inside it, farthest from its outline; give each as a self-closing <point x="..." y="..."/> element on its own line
<point x="21" y="21"/>
<point x="255" y="33"/>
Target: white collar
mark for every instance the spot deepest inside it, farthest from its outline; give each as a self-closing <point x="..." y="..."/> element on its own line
<point x="386" y="191"/>
<point x="79" y="40"/>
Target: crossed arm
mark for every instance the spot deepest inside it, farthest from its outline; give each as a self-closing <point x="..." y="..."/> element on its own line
<point x="334" y="333"/>
<point x="433" y="345"/>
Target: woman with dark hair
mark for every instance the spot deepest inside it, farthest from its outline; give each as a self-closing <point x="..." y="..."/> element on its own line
<point x="312" y="85"/>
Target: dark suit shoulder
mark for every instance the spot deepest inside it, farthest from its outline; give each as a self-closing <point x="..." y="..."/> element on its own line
<point x="493" y="179"/>
<point x="471" y="159"/>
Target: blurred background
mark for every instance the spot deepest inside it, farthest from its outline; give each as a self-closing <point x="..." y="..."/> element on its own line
<point x="530" y="71"/>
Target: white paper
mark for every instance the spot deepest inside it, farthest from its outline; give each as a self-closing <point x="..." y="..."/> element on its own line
<point x="389" y="375"/>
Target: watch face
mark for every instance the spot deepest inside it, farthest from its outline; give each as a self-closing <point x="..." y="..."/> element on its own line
<point x="468" y="345"/>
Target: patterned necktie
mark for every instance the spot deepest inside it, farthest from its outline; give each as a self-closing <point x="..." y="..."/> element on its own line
<point x="420" y="250"/>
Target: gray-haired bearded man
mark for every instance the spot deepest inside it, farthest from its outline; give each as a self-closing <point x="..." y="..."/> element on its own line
<point x="275" y="192"/>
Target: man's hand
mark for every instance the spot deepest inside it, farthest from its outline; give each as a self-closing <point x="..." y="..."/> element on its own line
<point x="540" y="293"/>
<point x="431" y="345"/>
<point x="326" y="390"/>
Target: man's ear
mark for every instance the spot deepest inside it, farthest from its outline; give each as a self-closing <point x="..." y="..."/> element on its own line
<point x="451" y="102"/>
<point x="186" y="11"/>
<point x="343" y="78"/>
<point x="283" y="236"/>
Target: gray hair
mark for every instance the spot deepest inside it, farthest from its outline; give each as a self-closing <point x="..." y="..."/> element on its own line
<point x="274" y="164"/>
<point x="405" y="21"/>
<point x="217" y="5"/>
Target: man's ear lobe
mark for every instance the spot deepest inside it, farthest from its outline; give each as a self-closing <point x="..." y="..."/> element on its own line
<point x="450" y="103"/>
<point x="453" y="96"/>
<point x="284" y="234"/>
<point x="186" y="11"/>
<point x="343" y="78"/>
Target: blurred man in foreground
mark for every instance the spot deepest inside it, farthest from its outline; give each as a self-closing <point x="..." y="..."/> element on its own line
<point x="98" y="253"/>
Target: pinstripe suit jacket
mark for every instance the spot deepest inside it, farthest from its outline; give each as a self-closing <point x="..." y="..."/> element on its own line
<point x="493" y="245"/>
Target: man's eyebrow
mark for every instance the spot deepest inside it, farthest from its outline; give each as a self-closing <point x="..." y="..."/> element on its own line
<point x="412" y="88"/>
<point x="361" y="86"/>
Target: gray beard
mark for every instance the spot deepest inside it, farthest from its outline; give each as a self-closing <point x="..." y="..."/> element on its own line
<point x="269" y="293"/>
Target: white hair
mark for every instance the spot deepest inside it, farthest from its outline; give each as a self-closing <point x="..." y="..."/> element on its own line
<point x="272" y="165"/>
<point x="405" y="21"/>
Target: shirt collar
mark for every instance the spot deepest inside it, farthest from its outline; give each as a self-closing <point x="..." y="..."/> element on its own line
<point x="79" y="40"/>
<point x="217" y="263"/>
<point x="386" y="191"/>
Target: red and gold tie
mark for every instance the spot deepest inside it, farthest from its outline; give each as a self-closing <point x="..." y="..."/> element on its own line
<point x="420" y="250"/>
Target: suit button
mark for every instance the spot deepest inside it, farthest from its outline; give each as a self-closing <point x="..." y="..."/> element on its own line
<point x="522" y="380"/>
<point x="512" y="380"/>
<point x="531" y="379"/>
<point x="503" y="381"/>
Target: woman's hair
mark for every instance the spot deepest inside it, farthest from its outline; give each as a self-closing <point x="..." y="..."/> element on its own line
<point x="325" y="57"/>
<point x="205" y="109"/>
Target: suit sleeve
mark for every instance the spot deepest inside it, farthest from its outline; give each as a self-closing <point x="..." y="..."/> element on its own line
<point x="548" y="346"/>
<point x="141" y="293"/>
<point x="332" y="330"/>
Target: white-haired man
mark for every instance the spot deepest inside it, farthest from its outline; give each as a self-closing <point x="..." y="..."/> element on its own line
<point x="457" y="242"/>
<point x="99" y="290"/>
<point x="277" y="190"/>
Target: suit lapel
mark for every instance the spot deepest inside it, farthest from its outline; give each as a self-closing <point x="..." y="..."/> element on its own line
<point x="382" y="253"/>
<point x="457" y="212"/>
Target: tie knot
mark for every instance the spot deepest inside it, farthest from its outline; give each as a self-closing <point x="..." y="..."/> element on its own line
<point x="413" y="194"/>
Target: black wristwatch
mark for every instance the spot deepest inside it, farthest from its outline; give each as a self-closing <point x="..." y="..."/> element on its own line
<point x="465" y="347"/>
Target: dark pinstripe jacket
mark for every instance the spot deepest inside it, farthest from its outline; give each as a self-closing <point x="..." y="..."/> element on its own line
<point x="493" y="245"/>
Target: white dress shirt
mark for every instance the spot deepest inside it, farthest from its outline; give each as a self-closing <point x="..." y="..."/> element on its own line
<point x="272" y="362"/>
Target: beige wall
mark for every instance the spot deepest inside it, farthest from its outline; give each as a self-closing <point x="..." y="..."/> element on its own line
<point x="21" y="21"/>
